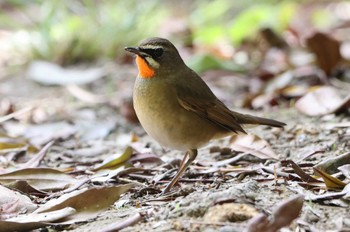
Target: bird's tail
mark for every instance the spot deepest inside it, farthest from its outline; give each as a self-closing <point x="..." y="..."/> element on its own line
<point x="250" y="119"/>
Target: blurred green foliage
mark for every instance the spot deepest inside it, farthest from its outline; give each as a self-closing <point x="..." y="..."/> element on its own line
<point x="72" y="31"/>
<point x="229" y="21"/>
<point x="67" y="31"/>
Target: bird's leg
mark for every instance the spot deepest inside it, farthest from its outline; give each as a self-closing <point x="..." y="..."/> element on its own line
<point x="192" y="154"/>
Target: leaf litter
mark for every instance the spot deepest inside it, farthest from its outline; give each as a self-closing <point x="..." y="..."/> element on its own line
<point x="87" y="168"/>
<point x="75" y="164"/>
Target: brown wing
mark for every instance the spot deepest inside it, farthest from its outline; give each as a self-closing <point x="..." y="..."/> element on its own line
<point x="204" y="103"/>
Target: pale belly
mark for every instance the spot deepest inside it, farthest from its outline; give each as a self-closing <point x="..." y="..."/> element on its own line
<point x="167" y="122"/>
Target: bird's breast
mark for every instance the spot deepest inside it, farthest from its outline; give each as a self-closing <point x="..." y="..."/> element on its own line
<point x="163" y="118"/>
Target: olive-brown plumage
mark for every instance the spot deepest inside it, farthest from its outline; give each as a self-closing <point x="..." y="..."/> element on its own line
<point x="176" y="107"/>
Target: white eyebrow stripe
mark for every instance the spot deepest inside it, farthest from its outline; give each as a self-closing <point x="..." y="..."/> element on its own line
<point x="150" y="46"/>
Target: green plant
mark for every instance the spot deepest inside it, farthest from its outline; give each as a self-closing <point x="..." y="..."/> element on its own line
<point x="72" y="31"/>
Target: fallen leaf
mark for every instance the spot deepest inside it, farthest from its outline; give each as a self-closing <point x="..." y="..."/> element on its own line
<point x="283" y="215"/>
<point x="13" y="203"/>
<point x="86" y="130"/>
<point x="294" y="91"/>
<point x="40" y="178"/>
<point x="304" y="176"/>
<point x="322" y="101"/>
<point x="331" y="165"/>
<point x="253" y="145"/>
<point x="323" y="197"/>
<point x="345" y="169"/>
<point x="147" y="157"/>
<point x="286" y="211"/>
<point x="44" y="217"/>
<point x="130" y="221"/>
<point x="279" y="82"/>
<point x="24" y="187"/>
<point x="86" y="96"/>
<point x="6" y="226"/>
<point x="34" y="220"/>
<point x="52" y="74"/>
<point x="8" y="143"/>
<point x="103" y="175"/>
<point x="330" y="126"/>
<point x="330" y="181"/>
<point x="258" y="223"/>
<point x="326" y="49"/>
<point x="114" y="160"/>
<point x="36" y="159"/>
<point x="46" y="132"/>
<point x="88" y="203"/>
<point x="15" y="114"/>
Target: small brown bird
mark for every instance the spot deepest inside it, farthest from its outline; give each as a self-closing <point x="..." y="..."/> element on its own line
<point x="176" y="107"/>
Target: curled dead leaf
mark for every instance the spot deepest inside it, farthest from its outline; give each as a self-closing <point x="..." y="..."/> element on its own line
<point x="115" y="160"/>
<point x="330" y="181"/>
<point x="13" y="203"/>
<point x="252" y="144"/>
<point x="283" y="215"/>
<point x="40" y="178"/>
<point x="88" y="203"/>
<point x="322" y="101"/>
<point x="327" y="51"/>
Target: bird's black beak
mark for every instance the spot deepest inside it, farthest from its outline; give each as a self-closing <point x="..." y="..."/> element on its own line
<point x="137" y="51"/>
<point x="134" y="50"/>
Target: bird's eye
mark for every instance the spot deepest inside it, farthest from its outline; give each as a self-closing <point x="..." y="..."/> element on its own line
<point x="154" y="52"/>
<point x="158" y="52"/>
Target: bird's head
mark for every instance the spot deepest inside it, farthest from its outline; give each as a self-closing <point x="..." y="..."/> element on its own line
<point x="156" y="55"/>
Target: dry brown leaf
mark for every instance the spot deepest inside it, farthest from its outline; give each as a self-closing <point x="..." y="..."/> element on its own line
<point x="130" y="221"/>
<point x="326" y="196"/>
<point x="331" y="164"/>
<point x="115" y="160"/>
<point x="326" y="49"/>
<point x="34" y="220"/>
<point x="36" y="159"/>
<point x="88" y="203"/>
<point x="147" y="157"/>
<point x="39" y="178"/>
<point x="6" y="226"/>
<point x="15" y="114"/>
<point x="283" y="215"/>
<point x="44" y="217"/>
<point x="322" y="101"/>
<point x="304" y="176"/>
<point x="52" y="74"/>
<point x="24" y="187"/>
<point x="12" y="203"/>
<point x="253" y="145"/>
<point x="86" y="96"/>
<point x="44" y="133"/>
<point x="345" y="169"/>
<point x="287" y="211"/>
<point x="330" y="181"/>
<point x="8" y="143"/>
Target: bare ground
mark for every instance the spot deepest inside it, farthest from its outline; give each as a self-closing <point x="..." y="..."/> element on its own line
<point x="187" y="207"/>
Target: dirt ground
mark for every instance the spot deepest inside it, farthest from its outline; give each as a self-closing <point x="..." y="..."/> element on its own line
<point x="188" y="207"/>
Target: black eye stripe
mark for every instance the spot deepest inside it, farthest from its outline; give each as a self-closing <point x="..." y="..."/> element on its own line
<point x="154" y="52"/>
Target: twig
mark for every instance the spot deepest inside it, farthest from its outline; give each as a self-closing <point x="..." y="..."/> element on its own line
<point x="133" y="220"/>
<point x="15" y="114"/>
<point x="35" y="161"/>
<point x="132" y="182"/>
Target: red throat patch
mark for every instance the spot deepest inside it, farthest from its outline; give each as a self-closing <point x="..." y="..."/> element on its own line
<point x="145" y="71"/>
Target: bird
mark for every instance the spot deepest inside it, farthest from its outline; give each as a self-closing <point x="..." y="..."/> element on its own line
<point x="177" y="108"/>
